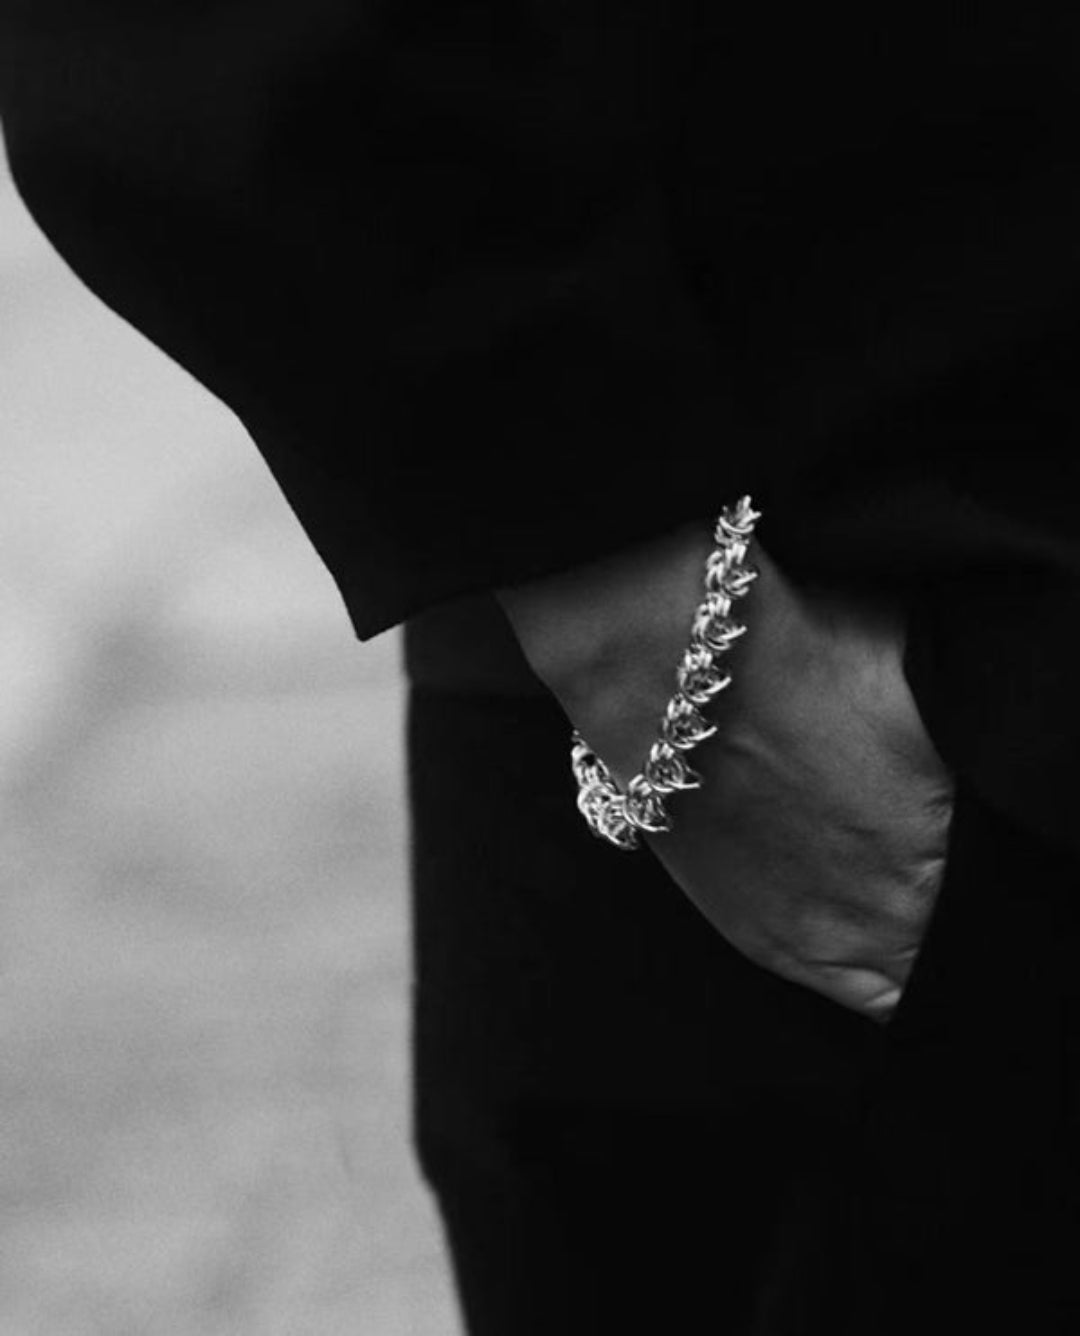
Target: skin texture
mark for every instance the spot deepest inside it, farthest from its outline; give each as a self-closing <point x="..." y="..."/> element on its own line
<point x="817" y="843"/>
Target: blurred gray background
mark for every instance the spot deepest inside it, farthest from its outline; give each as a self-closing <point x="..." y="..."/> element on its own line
<point x="204" y="957"/>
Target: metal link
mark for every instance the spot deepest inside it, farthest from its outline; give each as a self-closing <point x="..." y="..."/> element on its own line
<point x="683" y="725"/>
<point x="645" y="807"/>
<point x="697" y="678"/>
<point x="715" y="630"/>
<point x="619" y="817"/>
<point x="667" y="770"/>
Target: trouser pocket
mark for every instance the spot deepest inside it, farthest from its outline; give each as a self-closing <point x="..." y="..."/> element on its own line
<point x="967" y="1176"/>
<point x="999" y="946"/>
<point x="916" y="1000"/>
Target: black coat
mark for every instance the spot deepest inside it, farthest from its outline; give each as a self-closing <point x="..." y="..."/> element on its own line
<point x="500" y="286"/>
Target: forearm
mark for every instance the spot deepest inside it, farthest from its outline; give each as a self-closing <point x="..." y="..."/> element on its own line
<point x="607" y="637"/>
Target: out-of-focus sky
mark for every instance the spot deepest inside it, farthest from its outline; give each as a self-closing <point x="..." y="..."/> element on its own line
<point x="204" y="962"/>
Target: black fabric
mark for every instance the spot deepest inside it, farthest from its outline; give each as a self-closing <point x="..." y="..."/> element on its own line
<point x="632" y="1128"/>
<point x="497" y="286"/>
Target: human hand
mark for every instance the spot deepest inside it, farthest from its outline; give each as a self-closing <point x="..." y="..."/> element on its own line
<point x="817" y="842"/>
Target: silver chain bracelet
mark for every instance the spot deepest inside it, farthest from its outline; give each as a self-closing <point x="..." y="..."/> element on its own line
<point x="619" y="817"/>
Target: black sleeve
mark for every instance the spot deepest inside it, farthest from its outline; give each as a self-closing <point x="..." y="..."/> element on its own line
<point x="500" y="285"/>
<point x="421" y="248"/>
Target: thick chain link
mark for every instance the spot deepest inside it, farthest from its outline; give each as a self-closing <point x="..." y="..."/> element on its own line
<point x="620" y="817"/>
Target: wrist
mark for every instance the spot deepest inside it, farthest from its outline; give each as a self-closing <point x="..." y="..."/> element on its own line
<point x="607" y="638"/>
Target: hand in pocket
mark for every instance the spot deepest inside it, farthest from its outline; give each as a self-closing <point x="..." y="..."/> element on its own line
<point x="817" y="843"/>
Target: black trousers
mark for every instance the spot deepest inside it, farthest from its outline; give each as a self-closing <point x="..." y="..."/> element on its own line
<point x="629" y="1126"/>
